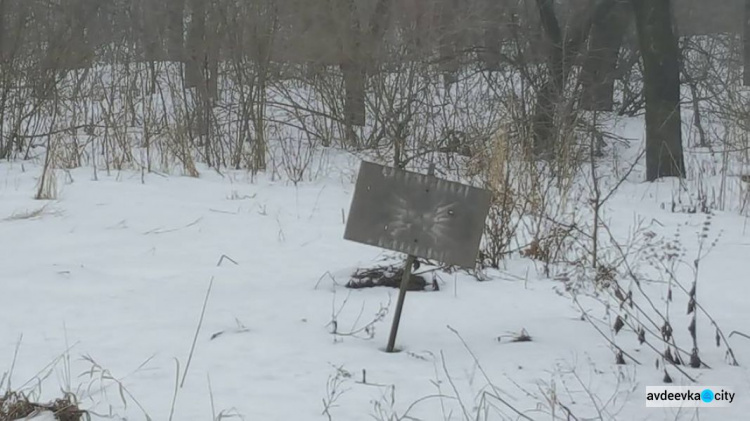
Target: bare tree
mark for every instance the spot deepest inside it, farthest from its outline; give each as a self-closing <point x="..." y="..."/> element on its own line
<point x="661" y="65"/>
<point x="599" y="69"/>
<point x="563" y="48"/>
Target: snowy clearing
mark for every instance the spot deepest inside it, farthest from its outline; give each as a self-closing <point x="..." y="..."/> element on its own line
<point x="103" y="290"/>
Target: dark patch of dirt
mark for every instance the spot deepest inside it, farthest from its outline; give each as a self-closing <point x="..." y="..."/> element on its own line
<point x="385" y="276"/>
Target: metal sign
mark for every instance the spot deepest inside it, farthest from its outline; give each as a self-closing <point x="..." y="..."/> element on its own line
<point x="417" y="214"/>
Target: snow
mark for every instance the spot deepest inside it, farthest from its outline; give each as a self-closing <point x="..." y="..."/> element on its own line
<point x="40" y="416"/>
<point x="103" y="288"/>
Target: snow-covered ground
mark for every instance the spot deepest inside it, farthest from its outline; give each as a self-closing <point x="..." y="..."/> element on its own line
<point x="102" y="290"/>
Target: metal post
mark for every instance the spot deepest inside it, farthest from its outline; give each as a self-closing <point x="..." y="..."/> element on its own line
<point x="400" y="304"/>
<point x="404" y="287"/>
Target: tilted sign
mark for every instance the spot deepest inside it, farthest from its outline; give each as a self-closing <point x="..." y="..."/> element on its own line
<point x="417" y="214"/>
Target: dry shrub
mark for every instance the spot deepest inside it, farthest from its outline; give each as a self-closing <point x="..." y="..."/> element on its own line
<point x="14" y="406"/>
<point x="494" y="167"/>
<point x="534" y="208"/>
<point x="47" y="185"/>
<point x="178" y="138"/>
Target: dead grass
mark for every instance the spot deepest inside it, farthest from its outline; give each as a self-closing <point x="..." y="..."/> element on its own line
<point x="28" y="214"/>
<point x="14" y="406"/>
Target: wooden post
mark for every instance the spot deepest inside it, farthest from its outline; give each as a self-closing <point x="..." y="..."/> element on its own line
<point x="400" y="304"/>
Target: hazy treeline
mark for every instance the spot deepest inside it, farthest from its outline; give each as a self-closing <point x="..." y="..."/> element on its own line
<point x="217" y="80"/>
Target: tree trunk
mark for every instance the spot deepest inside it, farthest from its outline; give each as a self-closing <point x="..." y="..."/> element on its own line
<point x="600" y="67"/>
<point x="153" y="16"/>
<point x="562" y="52"/>
<point x="75" y="52"/>
<point x="196" y="42"/>
<point x="354" y="71"/>
<point x="213" y="47"/>
<point x="746" y="44"/>
<point x="419" y="37"/>
<point x="661" y="68"/>
<point x="176" y="30"/>
<point x="355" y="78"/>
<point x="492" y="34"/>
<point x="447" y="49"/>
<point x="359" y="61"/>
<point x="3" y="36"/>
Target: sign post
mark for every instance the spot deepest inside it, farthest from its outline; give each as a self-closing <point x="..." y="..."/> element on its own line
<point x="416" y="214"/>
<point x="400" y="303"/>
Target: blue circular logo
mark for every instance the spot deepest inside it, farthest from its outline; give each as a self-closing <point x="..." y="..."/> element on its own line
<point x="707" y="395"/>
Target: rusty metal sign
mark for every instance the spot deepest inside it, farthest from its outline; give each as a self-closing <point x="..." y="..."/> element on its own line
<point x="417" y="214"/>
